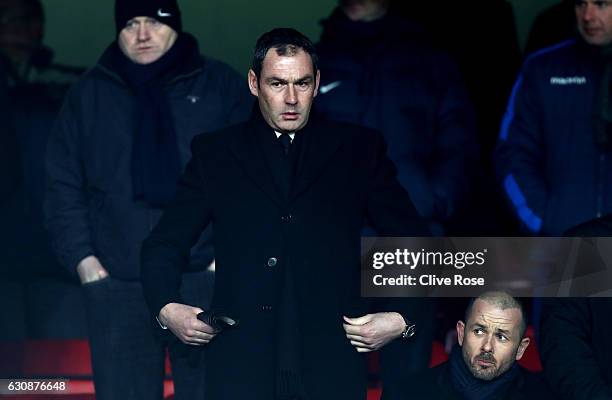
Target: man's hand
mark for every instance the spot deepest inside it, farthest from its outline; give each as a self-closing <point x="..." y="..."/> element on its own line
<point x="372" y="331"/>
<point x="90" y="270"/>
<point x="182" y="320"/>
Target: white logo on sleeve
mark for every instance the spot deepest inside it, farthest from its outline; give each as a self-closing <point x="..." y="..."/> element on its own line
<point x="160" y="13"/>
<point x="329" y="87"/>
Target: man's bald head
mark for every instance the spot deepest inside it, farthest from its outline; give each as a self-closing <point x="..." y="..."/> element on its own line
<point x="501" y="300"/>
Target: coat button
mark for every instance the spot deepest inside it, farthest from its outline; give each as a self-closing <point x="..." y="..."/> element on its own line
<point x="272" y="261"/>
<point x="266" y="308"/>
<point x="287" y="218"/>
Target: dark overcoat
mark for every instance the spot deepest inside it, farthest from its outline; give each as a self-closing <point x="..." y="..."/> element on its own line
<point x="343" y="177"/>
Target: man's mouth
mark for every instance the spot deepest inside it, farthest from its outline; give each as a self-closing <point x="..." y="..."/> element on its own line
<point x="485" y="361"/>
<point x="290" y="116"/>
<point x="592" y="31"/>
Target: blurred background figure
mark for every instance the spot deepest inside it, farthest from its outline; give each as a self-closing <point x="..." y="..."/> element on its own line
<point x="21" y="34"/>
<point x="35" y="87"/>
<point x="481" y="36"/>
<point x="21" y="44"/>
<point x="378" y="71"/>
<point x="575" y="335"/>
<point x="554" y="158"/>
<point x="9" y="162"/>
<point x="553" y="25"/>
<point x="32" y="87"/>
<point x="31" y="110"/>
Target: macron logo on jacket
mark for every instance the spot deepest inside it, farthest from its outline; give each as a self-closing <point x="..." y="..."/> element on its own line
<point x="568" y="80"/>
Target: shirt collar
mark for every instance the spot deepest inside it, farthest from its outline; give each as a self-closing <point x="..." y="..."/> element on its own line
<point x="291" y="135"/>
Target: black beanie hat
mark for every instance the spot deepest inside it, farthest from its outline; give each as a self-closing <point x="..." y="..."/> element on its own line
<point x="165" y="11"/>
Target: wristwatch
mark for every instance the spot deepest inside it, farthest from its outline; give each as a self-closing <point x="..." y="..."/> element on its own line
<point x="409" y="329"/>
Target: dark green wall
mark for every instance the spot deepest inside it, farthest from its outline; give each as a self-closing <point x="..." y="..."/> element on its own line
<point x="78" y="30"/>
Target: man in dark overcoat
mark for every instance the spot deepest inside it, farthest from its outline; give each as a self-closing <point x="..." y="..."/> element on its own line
<point x="287" y="194"/>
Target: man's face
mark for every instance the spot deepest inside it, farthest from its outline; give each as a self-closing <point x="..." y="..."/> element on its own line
<point x="594" y="20"/>
<point x="21" y="30"/>
<point x="285" y="90"/>
<point x="490" y="340"/>
<point x="364" y="10"/>
<point x="144" y="39"/>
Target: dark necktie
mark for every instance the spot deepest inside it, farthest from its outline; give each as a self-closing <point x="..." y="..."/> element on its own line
<point x="285" y="141"/>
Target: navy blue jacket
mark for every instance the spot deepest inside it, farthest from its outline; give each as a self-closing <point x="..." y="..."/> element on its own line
<point x="552" y="172"/>
<point x="89" y="205"/>
<point x="381" y="75"/>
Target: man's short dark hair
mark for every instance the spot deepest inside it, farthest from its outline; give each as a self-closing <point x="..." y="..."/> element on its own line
<point x="287" y="42"/>
<point x="503" y="301"/>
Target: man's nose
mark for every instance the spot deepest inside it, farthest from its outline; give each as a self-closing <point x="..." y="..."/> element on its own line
<point x="589" y="12"/>
<point x="487" y="344"/>
<point x="143" y="33"/>
<point x="291" y="95"/>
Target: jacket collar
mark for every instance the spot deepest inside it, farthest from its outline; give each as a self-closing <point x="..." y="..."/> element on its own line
<point x="318" y="148"/>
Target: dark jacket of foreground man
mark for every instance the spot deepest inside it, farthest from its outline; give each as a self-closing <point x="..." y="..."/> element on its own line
<point x="343" y="176"/>
<point x="436" y="384"/>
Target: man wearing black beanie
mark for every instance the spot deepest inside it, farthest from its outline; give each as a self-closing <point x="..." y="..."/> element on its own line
<point x="117" y="149"/>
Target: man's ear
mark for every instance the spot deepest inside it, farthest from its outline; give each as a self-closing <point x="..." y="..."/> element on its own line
<point x="253" y="83"/>
<point x="460" y="332"/>
<point x="317" y="81"/>
<point x="522" y="347"/>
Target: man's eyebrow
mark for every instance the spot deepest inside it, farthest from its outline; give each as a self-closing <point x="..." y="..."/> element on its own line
<point x="275" y="79"/>
<point x="504" y="331"/>
<point x="478" y="325"/>
<point x="307" y="78"/>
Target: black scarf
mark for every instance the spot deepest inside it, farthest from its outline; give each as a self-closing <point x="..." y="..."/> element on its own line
<point x="472" y="388"/>
<point x="283" y="169"/>
<point x="156" y="164"/>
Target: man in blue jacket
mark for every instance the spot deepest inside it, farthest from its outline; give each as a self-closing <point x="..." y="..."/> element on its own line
<point x="119" y="145"/>
<point x="553" y="157"/>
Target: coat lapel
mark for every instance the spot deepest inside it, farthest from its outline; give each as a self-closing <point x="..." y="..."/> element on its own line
<point x="249" y="154"/>
<point x="319" y="147"/>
